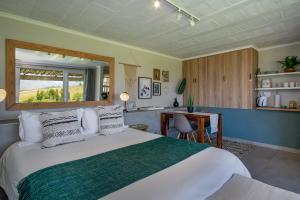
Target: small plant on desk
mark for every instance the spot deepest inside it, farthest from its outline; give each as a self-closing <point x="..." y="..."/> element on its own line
<point x="190" y="106"/>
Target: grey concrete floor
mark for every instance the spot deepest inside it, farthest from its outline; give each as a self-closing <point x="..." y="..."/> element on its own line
<point x="274" y="167"/>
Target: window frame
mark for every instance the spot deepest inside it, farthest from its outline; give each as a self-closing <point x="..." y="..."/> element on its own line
<point x="10" y="83"/>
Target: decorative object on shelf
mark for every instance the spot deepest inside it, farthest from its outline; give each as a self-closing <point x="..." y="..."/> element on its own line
<point x="286" y="84"/>
<point x="165" y="76"/>
<point x="156" y="74"/>
<point x="298" y="84"/>
<point x="266" y="83"/>
<point x="190" y="106"/>
<point x="156" y="89"/>
<point x="131" y="106"/>
<point x="175" y="104"/>
<point x="181" y="86"/>
<point x="144" y="88"/>
<point x="277" y="101"/>
<point x="292" y="104"/>
<point x="2" y="94"/>
<point x="289" y="63"/>
<point x="124" y="96"/>
<point x="262" y="101"/>
<point x="292" y="84"/>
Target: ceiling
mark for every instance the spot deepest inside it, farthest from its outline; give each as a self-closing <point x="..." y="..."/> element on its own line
<point x="224" y="24"/>
<point x="44" y="58"/>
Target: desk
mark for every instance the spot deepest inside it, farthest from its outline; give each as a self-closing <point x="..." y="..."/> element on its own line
<point x="200" y="119"/>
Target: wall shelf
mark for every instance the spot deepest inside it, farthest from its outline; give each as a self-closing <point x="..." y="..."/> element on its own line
<point x="279" y="88"/>
<point x="278" y="109"/>
<point x="279" y="74"/>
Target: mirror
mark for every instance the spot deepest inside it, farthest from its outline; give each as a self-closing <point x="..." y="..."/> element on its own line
<point x="52" y="77"/>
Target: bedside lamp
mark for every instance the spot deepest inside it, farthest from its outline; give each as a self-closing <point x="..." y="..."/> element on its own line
<point x="2" y="94"/>
<point x="124" y="96"/>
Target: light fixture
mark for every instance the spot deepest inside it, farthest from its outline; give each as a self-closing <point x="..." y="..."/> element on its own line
<point x="179" y="15"/>
<point x="156" y="4"/>
<point x="2" y="94"/>
<point x="192" y="22"/>
<point x="181" y="11"/>
<point x="124" y="96"/>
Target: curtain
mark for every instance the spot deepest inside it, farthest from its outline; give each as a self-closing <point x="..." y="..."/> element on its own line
<point x="89" y="85"/>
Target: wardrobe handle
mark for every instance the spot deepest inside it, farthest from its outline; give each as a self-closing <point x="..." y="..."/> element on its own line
<point x="250" y="77"/>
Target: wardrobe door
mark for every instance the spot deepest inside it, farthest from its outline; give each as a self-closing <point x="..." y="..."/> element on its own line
<point x="232" y="80"/>
<point x="201" y="85"/>
<point x="190" y="73"/>
<point x="214" y="81"/>
<point x="248" y="67"/>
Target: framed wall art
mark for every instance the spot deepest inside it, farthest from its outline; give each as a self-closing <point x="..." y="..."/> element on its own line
<point x="165" y="76"/>
<point x="156" y="74"/>
<point x="144" y="88"/>
<point x="156" y="89"/>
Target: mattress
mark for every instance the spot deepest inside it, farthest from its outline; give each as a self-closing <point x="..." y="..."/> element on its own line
<point x="196" y="177"/>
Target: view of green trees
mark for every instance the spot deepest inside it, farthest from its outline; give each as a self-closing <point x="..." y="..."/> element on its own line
<point x="51" y="95"/>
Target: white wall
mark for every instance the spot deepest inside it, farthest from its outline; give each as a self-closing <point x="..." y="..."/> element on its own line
<point x="49" y="35"/>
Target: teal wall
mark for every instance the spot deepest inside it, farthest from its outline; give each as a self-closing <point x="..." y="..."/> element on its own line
<point x="271" y="127"/>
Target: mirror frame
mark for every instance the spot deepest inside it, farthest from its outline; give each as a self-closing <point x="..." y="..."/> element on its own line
<point x="10" y="83"/>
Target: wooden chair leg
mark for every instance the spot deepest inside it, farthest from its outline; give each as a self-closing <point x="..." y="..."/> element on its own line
<point x="208" y="136"/>
<point x="187" y="137"/>
<point x="178" y="136"/>
<point x="194" y="137"/>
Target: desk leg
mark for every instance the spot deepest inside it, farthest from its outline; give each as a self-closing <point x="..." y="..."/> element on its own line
<point x="201" y="130"/>
<point x="164" y="120"/>
<point x="219" y="134"/>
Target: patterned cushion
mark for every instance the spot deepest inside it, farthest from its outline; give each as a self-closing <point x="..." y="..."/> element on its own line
<point x="60" y="128"/>
<point x="110" y="119"/>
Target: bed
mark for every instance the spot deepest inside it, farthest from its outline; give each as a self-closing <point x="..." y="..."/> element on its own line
<point x="196" y="177"/>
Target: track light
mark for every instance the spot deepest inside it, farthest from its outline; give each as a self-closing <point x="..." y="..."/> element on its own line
<point x="192" y="22"/>
<point x="156" y="4"/>
<point x="179" y="15"/>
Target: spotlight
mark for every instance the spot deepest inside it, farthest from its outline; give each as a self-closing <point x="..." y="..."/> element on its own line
<point x="179" y="15"/>
<point x="192" y="22"/>
<point x="156" y="4"/>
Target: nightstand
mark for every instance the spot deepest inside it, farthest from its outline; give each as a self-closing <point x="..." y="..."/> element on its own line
<point x="142" y="127"/>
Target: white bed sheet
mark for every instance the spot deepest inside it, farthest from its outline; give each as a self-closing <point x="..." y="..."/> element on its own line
<point x="196" y="177"/>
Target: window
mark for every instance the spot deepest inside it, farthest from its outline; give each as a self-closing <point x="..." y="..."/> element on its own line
<point x="37" y="84"/>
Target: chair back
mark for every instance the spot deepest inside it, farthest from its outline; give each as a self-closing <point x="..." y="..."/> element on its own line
<point x="182" y="124"/>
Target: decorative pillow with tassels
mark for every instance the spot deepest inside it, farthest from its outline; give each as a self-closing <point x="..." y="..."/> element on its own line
<point x="111" y="119"/>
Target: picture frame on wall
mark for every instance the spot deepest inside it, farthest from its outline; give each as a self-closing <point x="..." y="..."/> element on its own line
<point x="165" y="76"/>
<point x="144" y="88"/>
<point x="156" y="74"/>
<point x="156" y="89"/>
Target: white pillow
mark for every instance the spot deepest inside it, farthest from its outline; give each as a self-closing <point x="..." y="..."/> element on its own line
<point x="61" y="127"/>
<point x="110" y="119"/>
<point x="90" y="121"/>
<point x="30" y="129"/>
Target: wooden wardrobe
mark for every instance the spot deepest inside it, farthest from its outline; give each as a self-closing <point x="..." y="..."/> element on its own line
<point x="224" y="80"/>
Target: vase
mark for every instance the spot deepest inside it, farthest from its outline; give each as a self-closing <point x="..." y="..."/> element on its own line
<point x="190" y="109"/>
<point x="291" y="69"/>
<point x="175" y="104"/>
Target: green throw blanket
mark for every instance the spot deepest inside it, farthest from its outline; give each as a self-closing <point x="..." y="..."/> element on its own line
<point x="102" y="174"/>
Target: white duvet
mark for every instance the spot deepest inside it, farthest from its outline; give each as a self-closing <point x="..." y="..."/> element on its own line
<point x="196" y="177"/>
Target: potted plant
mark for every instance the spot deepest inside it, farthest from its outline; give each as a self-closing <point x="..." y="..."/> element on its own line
<point x="190" y="106"/>
<point x="289" y="63"/>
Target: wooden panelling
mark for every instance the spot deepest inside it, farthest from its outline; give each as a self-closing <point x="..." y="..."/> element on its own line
<point x="214" y="81"/>
<point x="201" y="81"/>
<point x="223" y="80"/>
<point x="232" y="80"/>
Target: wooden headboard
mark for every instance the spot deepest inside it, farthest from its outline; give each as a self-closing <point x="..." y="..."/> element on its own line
<point x="9" y="133"/>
